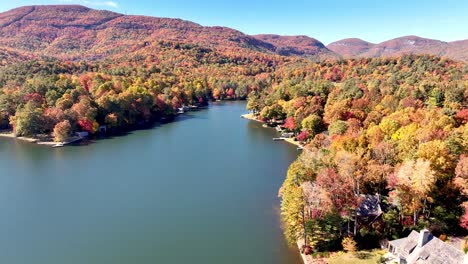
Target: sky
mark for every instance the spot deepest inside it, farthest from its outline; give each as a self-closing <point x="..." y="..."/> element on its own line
<point x="326" y="20"/>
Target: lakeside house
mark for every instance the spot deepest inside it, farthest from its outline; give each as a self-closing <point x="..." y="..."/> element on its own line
<point x="369" y="208"/>
<point x="102" y="129"/>
<point x="82" y="134"/>
<point x="287" y="135"/>
<point x="422" y="247"/>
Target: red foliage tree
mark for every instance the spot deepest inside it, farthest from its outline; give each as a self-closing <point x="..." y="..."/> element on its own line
<point x="86" y="125"/>
<point x="290" y="123"/>
<point x="462" y="116"/>
<point x="35" y="97"/>
<point x="303" y="136"/>
<point x="85" y="82"/>
<point x="230" y="92"/>
<point x="464" y="218"/>
<point x="339" y="188"/>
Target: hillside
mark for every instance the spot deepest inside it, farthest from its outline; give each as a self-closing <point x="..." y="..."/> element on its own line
<point x="82" y="33"/>
<point x="457" y="50"/>
<point x="407" y="44"/>
<point x="395" y="127"/>
<point x="350" y="47"/>
<point x="296" y="45"/>
<point x="73" y="32"/>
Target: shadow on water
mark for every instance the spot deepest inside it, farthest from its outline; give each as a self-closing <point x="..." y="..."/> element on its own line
<point x="125" y="133"/>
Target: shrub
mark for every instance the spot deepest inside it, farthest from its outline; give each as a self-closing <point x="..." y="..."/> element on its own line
<point x="443" y="237"/>
<point x="338" y="128"/>
<point x="349" y="245"/>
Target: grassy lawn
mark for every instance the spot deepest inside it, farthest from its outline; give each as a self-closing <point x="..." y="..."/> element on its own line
<point x="361" y="257"/>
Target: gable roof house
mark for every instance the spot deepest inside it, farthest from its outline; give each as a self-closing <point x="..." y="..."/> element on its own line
<point x="369" y="208"/>
<point x="422" y="247"/>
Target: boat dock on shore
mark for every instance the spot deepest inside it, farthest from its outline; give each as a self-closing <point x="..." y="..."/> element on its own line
<point x="279" y="139"/>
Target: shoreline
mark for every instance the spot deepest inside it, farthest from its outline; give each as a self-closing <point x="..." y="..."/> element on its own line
<point x="37" y="141"/>
<point x="287" y="140"/>
<point x="251" y="117"/>
<point x="13" y="136"/>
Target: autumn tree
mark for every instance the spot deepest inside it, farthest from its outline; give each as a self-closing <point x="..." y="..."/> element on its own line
<point x="312" y="124"/>
<point x="62" y="131"/>
<point x="414" y="181"/>
<point x="28" y="120"/>
<point x="349" y="245"/>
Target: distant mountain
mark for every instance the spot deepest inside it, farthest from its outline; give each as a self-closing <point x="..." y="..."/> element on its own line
<point x="408" y="44"/>
<point x="73" y="32"/>
<point x="350" y="47"/>
<point x="296" y="45"/>
<point x="457" y="50"/>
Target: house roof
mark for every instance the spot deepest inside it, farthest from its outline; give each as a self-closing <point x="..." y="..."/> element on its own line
<point x="398" y="242"/>
<point x="370" y="205"/>
<point x="407" y="247"/>
<point x="435" y="251"/>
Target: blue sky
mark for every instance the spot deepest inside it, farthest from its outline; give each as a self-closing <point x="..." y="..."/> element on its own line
<point x="325" y="20"/>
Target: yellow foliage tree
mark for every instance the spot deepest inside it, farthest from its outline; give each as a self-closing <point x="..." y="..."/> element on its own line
<point x="349" y="245"/>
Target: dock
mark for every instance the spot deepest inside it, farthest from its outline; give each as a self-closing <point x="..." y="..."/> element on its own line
<point x="60" y="144"/>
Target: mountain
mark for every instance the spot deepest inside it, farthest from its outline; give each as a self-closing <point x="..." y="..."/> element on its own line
<point x="350" y="47"/>
<point x="73" y="32"/>
<point x="457" y="50"/>
<point x="407" y="44"/>
<point x="296" y="45"/>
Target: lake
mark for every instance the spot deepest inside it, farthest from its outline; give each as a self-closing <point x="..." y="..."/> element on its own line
<point x="202" y="189"/>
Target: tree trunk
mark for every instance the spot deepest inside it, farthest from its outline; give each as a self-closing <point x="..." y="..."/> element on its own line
<point x="424" y="207"/>
<point x="348" y="227"/>
<point x="304" y="225"/>
<point x="355" y="223"/>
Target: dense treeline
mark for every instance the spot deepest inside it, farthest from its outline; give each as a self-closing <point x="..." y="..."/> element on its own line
<point x="394" y="127"/>
<point x="44" y="96"/>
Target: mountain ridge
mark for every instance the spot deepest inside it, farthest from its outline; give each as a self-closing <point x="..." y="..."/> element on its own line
<point x="83" y="33"/>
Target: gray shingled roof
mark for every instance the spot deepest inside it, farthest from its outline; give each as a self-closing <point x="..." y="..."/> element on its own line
<point x="397" y="243"/>
<point x="435" y="251"/>
<point x="370" y="205"/>
<point x="409" y="245"/>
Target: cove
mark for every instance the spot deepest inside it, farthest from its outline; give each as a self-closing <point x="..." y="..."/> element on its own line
<point x="202" y="189"/>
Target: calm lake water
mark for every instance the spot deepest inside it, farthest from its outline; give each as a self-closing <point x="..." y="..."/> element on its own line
<point x="202" y="190"/>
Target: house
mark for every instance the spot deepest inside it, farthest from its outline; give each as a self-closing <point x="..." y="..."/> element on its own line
<point x="287" y="135"/>
<point x="103" y="129"/>
<point x="422" y="247"/>
<point x="369" y="208"/>
<point x="82" y="134"/>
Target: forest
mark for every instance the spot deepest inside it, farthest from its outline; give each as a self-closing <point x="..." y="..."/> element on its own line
<point x="391" y="127"/>
<point x="51" y="96"/>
